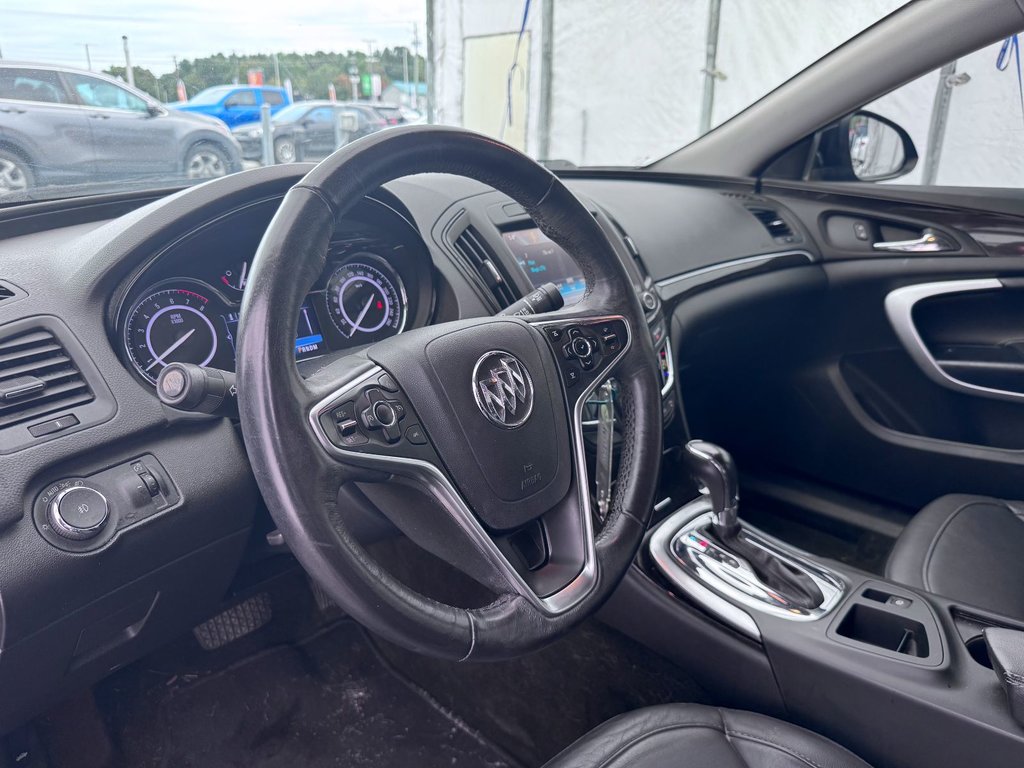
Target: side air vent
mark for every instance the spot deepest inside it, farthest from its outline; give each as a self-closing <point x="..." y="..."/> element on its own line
<point x="480" y="259"/>
<point x="37" y="376"/>
<point x="775" y="225"/>
<point x="5" y="292"/>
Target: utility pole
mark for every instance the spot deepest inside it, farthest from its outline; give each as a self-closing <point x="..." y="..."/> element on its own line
<point x="88" y="58"/>
<point x="710" y="71"/>
<point x="547" y="55"/>
<point x="431" y="52"/>
<point x="277" y="72"/>
<point x="128" y="61"/>
<point x="405" y="73"/>
<point x="415" y="66"/>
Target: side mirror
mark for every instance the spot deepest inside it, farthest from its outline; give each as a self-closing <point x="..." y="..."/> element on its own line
<point x="862" y="146"/>
<point x="879" y="149"/>
<point x="154" y="110"/>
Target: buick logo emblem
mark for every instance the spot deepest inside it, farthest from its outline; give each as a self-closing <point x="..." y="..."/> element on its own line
<point x="503" y="389"/>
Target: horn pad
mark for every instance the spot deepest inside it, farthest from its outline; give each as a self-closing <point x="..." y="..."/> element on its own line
<point x="490" y="397"/>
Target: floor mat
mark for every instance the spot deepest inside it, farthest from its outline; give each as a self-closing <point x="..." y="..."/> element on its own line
<point x="328" y="701"/>
<point x="535" y="706"/>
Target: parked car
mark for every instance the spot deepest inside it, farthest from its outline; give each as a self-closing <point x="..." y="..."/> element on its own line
<point x="236" y="104"/>
<point x="392" y="113"/>
<point x="62" y="126"/>
<point x="305" y="131"/>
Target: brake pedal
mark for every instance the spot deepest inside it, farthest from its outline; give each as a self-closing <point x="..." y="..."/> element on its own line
<point x="234" y="623"/>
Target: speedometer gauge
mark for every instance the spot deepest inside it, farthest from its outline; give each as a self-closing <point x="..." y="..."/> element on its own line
<point x="172" y="326"/>
<point x="366" y="299"/>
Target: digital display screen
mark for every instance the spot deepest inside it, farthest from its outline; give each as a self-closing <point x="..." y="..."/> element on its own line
<point x="309" y="340"/>
<point x="545" y="262"/>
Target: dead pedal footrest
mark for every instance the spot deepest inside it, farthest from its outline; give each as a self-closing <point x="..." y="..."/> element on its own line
<point x="237" y="621"/>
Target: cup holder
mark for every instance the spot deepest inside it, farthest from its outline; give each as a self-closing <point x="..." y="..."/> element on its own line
<point x="978" y="649"/>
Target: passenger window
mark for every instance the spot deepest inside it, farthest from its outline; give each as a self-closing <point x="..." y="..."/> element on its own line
<point x="94" y="92"/>
<point x="273" y="98"/>
<point x="320" y="115"/>
<point x="966" y="120"/>
<point x="241" y="99"/>
<point x="32" y="85"/>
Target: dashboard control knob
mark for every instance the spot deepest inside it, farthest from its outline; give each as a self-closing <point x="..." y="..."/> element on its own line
<point x="649" y="300"/>
<point x="78" y="512"/>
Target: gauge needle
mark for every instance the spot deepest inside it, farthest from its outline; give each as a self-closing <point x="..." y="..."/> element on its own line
<point x="174" y="346"/>
<point x="241" y="277"/>
<point x="366" y="308"/>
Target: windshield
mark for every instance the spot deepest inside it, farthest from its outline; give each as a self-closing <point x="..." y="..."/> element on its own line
<point x="288" y="114"/>
<point x="209" y="96"/>
<point x="556" y="80"/>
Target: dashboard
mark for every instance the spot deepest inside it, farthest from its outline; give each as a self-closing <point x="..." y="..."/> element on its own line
<point x="185" y="306"/>
<point x="112" y="292"/>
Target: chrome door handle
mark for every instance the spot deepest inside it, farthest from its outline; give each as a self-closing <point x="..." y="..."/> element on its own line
<point x="930" y="241"/>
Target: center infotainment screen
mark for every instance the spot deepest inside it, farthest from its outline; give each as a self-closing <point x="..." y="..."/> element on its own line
<point x="545" y="262"/>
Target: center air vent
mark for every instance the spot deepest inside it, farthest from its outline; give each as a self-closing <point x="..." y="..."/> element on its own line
<point x="776" y="226"/>
<point x="479" y="258"/>
<point x="37" y="376"/>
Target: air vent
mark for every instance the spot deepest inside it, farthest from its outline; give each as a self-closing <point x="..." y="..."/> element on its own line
<point x="37" y="377"/>
<point x="479" y="258"/>
<point x="776" y="226"/>
<point x="5" y="292"/>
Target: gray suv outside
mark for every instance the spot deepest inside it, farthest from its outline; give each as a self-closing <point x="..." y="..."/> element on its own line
<point x="62" y="126"/>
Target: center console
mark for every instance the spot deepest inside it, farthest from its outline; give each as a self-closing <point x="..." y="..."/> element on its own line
<point x="902" y="677"/>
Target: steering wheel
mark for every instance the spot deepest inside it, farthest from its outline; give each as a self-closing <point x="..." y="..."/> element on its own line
<point x="481" y="415"/>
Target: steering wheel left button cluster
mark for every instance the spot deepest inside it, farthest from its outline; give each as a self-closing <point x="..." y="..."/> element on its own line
<point x="79" y="514"/>
<point x="372" y="415"/>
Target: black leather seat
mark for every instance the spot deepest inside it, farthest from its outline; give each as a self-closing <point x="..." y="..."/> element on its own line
<point x="966" y="548"/>
<point x="695" y="736"/>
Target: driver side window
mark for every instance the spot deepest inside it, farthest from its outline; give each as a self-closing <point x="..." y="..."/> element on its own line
<point x="93" y="92"/>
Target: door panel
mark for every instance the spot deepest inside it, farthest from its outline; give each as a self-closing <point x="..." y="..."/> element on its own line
<point x="826" y="387"/>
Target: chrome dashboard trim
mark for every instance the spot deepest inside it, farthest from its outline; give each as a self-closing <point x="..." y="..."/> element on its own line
<point x="746" y="261"/>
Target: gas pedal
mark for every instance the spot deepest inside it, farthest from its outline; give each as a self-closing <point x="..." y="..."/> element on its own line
<point x="324" y="603"/>
<point x="237" y="621"/>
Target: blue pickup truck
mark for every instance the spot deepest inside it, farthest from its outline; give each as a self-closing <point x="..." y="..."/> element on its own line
<point x="236" y="104"/>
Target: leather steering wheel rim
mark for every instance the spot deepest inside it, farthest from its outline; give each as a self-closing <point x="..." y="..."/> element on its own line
<point x="299" y="479"/>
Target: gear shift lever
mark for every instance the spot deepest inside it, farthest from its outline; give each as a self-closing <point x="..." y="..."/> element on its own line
<point x="714" y="471"/>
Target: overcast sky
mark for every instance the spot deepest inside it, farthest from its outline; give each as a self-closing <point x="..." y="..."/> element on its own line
<point x="55" y="32"/>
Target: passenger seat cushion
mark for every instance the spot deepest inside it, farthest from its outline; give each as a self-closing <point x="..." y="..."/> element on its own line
<point x="965" y="548"/>
<point x="696" y="736"/>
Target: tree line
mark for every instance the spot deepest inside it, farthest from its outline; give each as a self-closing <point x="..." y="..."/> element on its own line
<point x="310" y="73"/>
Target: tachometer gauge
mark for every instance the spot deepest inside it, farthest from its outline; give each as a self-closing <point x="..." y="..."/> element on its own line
<point x="366" y="299"/>
<point x="172" y="326"/>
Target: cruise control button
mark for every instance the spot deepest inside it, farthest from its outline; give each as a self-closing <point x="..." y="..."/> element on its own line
<point x="354" y="439"/>
<point x="555" y="334"/>
<point x="385" y="414"/>
<point x="415" y="435"/>
<point x="572" y="375"/>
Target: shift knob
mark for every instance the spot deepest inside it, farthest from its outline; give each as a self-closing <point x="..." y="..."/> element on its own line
<point x="715" y="473"/>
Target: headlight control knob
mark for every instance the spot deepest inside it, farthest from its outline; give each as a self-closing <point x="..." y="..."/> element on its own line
<point x="78" y="512"/>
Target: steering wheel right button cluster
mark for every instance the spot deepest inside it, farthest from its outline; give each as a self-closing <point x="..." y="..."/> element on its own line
<point x="586" y="346"/>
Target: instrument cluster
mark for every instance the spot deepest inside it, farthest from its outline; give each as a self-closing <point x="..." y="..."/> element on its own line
<point x="377" y="281"/>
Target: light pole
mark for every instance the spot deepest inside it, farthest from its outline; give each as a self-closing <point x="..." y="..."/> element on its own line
<point x="415" y="66"/>
<point x="88" y="58"/>
<point x="128" y="61"/>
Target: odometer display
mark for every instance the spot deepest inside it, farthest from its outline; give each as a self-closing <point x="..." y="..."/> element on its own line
<point x="173" y="325"/>
<point x="366" y="300"/>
